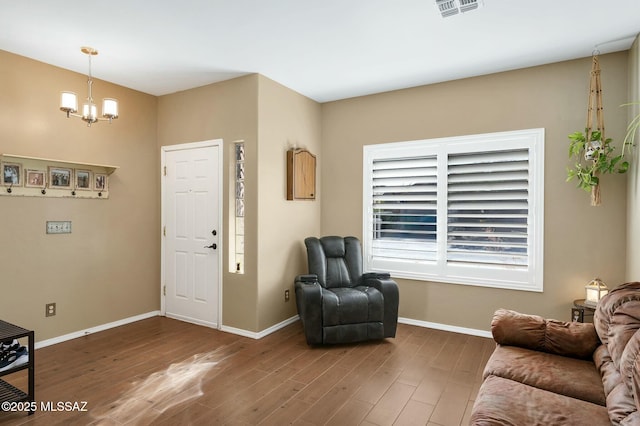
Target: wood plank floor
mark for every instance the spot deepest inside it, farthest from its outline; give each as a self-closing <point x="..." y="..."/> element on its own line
<point x="166" y="372"/>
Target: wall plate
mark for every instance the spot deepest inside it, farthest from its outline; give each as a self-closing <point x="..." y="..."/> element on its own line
<point x="58" y="227"/>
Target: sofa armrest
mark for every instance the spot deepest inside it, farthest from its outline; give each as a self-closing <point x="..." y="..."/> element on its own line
<point x="572" y="339"/>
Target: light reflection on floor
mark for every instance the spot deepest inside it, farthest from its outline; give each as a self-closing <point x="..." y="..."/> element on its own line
<point x="162" y="390"/>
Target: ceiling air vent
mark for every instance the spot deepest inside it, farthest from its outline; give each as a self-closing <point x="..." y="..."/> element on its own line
<point x="447" y="7"/>
<point x="467" y="5"/>
<point x="453" y="7"/>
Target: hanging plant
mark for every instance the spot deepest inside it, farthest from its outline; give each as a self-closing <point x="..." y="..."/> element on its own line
<point x="594" y="154"/>
<point x="593" y="158"/>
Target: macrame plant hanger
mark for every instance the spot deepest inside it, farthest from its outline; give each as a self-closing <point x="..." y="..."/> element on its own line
<point x="595" y="103"/>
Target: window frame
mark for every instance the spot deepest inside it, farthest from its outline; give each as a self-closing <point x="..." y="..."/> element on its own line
<point x="496" y="276"/>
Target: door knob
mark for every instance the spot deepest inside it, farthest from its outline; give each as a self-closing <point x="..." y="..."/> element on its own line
<point x="212" y="246"/>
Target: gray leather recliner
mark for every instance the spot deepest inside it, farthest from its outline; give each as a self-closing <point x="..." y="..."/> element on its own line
<point x="336" y="302"/>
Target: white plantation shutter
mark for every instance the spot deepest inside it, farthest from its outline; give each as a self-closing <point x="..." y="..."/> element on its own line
<point x="404" y="208"/>
<point x="487" y="208"/>
<point x="465" y="210"/>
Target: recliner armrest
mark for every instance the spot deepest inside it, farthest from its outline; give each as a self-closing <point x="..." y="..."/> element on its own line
<point x="389" y="289"/>
<point x="376" y="275"/>
<point x="307" y="278"/>
<point x="309" y="303"/>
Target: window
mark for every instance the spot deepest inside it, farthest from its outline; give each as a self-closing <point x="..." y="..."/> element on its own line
<point x="236" y="244"/>
<point x="464" y="210"/>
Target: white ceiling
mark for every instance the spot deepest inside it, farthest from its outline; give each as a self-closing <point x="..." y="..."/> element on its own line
<point x="324" y="49"/>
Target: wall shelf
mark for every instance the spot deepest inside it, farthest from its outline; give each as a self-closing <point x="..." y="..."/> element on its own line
<point x="8" y="392"/>
<point x="22" y="175"/>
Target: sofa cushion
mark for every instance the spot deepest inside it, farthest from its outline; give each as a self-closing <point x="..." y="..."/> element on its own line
<point x="352" y="305"/>
<point x="502" y="401"/>
<point x="573" y="377"/>
<point x="534" y="332"/>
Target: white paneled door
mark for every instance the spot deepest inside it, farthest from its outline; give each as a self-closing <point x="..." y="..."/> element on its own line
<point x="191" y="232"/>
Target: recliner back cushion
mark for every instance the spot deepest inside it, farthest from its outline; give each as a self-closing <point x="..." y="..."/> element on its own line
<point x="336" y="261"/>
<point x="337" y="273"/>
<point x="333" y="246"/>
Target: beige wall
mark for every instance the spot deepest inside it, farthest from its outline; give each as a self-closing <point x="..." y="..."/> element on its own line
<point x="100" y="274"/>
<point x="97" y="274"/>
<point x="633" y="189"/>
<point x="227" y="111"/>
<point x="286" y="120"/>
<point x="581" y="242"/>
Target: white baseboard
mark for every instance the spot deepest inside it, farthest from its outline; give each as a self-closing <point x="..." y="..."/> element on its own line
<point x="95" y="329"/>
<point x="409" y="321"/>
<point x="249" y="334"/>
<point x="260" y="334"/>
<point x="445" y="327"/>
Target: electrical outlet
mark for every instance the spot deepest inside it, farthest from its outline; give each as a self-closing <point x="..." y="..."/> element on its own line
<point x="49" y="309"/>
<point x="286" y="295"/>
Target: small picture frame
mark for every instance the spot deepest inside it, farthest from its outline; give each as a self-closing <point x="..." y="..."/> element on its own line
<point x="12" y="174"/>
<point x="34" y="178"/>
<point x="60" y="177"/>
<point x="100" y="182"/>
<point x="83" y="179"/>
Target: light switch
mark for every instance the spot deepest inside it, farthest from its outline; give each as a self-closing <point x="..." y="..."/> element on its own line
<point x="59" y="227"/>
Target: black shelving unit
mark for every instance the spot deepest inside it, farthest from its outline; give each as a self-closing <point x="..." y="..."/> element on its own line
<point x="9" y="392"/>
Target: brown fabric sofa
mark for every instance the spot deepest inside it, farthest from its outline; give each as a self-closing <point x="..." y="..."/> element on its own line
<point x="548" y="372"/>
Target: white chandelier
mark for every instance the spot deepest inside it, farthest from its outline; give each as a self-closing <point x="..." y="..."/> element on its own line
<point x="69" y="100"/>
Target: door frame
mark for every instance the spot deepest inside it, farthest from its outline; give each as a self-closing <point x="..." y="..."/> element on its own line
<point x="181" y="147"/>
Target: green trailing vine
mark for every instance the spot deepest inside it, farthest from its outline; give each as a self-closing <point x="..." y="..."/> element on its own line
<point x="632" y="128"/>
<point x="595" y="157"/>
